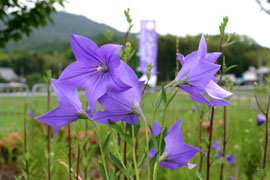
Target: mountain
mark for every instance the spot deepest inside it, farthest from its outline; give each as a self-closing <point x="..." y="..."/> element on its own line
<point x="58" y="32"/>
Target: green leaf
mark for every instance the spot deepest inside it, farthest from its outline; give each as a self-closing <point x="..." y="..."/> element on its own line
<point x="199" y="176"/>
<point x="142" y="159"/>
<point x="229" y="68"/>
<point x="102" y="171"/>
<point x="164" y="95"/>
<point x="106" y="142"/>
<point x="112" y="176"/>
<point x="171" y="98"/>
<point x="153" y="161"/>
<point x="116" y="161"/>
<point x="120" y="130"/>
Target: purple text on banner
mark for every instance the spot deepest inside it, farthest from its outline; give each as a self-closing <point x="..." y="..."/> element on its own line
<point x="148" y="46"/>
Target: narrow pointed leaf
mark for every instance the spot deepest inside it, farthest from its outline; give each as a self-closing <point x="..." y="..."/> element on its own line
<point x="164" y="95"/>
<point x="106" y="142"/>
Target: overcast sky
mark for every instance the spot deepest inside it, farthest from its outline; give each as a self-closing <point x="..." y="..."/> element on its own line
<point x="179" y="17"/>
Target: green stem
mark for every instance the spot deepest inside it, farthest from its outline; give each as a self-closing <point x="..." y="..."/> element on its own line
<point x="160" y="142"/>
<point x="161" y="134"/>
<point x="101" y="150"/>
<point x="147" y="144"/>
<point x="172" y="84"/>
<point x="134" y="154"/>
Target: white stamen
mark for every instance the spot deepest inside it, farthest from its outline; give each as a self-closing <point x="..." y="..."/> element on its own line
<point x="100" y="68"/>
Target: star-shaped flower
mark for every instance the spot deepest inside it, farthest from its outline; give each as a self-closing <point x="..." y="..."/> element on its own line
<point x="199" y="68"/>
<point x="68" y="110"/>
<point x="121" y="106"/>
<point x="96" y="69"/>
<point x="176" y="153"/>
<point x="260" y="119"/>
<point x="216" y="146"/>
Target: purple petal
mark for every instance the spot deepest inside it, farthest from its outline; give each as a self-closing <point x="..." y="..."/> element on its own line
<point x="103" y="117"/>
<point x="59" y="117"/>
<point x="174" y="134"/>
<point x="156" y="128"/>
<point x="260" y="119"/>
<point x="97" y="89"/>
<point x="116" y="83"/>
<point x="181" y="58"/>
<point x="184" y="154"/>
<point x="85" y="50"/>
<point x="202" y="48"/>
<point x="230" y="159"/>
<point x="218" y="156"/>
<point x="216" y="146"/>
<point x="80" y="74"/>
<point x="215" y="91"/>
<point x="130" y="118"/>
<point x="67" y="95"/>
<point x="110" y="53"/>
<point x="122" y="101"/>
<point x="171" y="164"/>
<point x="201" y="75"/>
<point x="191" y="61"/>
<point x="195" y="95"/>
<point x="219" y="102"/>
<point x="212" y="57"/>
<point x="190" y="166"/>
<point x="181" y="153"/>
<point x="152" y="152"/>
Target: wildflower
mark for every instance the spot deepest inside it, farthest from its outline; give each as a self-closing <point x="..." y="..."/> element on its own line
<point x="90" y="133"/>
<point x="96" y="69"/>
<point x="198" y="69"/>
<point x="216" y="146"/>
<point x="231" y="178"/>
<point x="176" y="153"/>
<point x="122" y="106"/>
<point x="194" y="108"/>
<point x="69" y="109"/>
<point x="221" y="122"/>
<point x="30" y="113"/>
<point x="230" y="159"/>
<point x="260" y="119"/>
<point x="218" y="156"/>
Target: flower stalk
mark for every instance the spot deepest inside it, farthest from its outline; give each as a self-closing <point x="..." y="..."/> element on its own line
<point x="210" y="143"/>
<point x="134" y="154"/>
<point x="78" y="161"/>
<point x="69" y="153"/>
<point x="224" y="141"/>
<point x="25" y="141"/>
<point x="49" y="131"/>
<point x="200" y="139"/>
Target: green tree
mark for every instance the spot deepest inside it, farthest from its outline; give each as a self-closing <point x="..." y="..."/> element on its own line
<point x="18" y="17"/>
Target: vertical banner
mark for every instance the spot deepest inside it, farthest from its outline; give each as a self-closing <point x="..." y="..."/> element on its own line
<point x="148" y="50"/>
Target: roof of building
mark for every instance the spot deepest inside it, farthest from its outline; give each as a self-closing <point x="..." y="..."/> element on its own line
<point x="8" y="74"/>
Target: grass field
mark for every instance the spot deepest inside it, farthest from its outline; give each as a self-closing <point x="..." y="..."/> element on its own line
<point x="245" y="138"/>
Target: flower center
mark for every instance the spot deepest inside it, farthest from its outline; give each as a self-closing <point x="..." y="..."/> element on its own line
<point x="103" y="68"/>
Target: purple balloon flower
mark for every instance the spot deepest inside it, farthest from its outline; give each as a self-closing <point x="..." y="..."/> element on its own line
<point x="231" y="178"/>
<point x="68" y="110"/>
<point x="30" y="113"/>
<point x="199" y="68"/>
<point x="194" y="108"/>
<point x="121" y="106"/>
<point x="216" y="146"/>
<point x="177" y="153"/>
<point x="218" y="156"/>
<point x="260" y="119"/>
<point x="230" y="159"/>
<point x="96" y="69"/>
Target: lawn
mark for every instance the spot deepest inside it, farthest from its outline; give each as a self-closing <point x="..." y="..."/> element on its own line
<point x="245" y="138"/>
